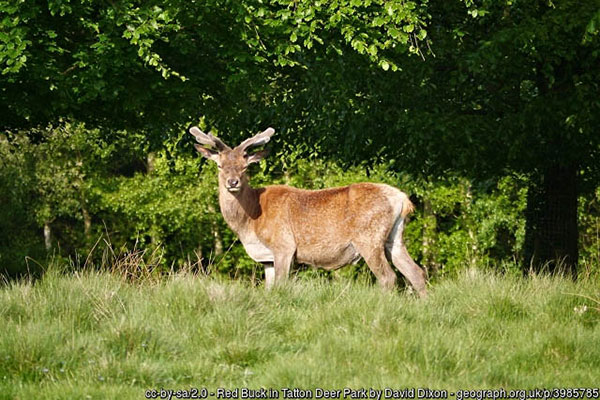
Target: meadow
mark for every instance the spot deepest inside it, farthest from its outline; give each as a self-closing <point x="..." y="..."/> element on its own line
<point x="99" y="335"/>
<point x="485" y="113"/>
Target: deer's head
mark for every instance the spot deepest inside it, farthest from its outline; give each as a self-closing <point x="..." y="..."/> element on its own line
<point x="232" y="163"/>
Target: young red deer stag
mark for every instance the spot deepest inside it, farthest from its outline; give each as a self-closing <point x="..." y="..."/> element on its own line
<point x="327" y="228"/>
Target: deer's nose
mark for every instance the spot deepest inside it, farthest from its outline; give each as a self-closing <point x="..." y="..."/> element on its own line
<point x="232" y="182"/>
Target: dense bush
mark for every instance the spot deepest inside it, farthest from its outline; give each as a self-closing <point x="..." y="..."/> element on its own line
<point x="90" y="194"/>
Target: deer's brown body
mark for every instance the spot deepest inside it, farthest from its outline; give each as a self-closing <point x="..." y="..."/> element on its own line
<point x="327" y="228"/>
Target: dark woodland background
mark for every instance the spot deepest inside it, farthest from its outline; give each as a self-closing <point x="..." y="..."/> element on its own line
<point x="485" y="112"/>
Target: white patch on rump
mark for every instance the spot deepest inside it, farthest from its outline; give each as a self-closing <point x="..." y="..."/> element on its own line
<point x="395" y="198"/>
<point x="398" y="200"/>
<point x="394" y="241"/>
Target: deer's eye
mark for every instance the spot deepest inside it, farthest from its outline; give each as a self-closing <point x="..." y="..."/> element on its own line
<point x="218" y="166"/>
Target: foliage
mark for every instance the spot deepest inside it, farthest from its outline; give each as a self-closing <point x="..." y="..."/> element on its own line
<point x="465" y="225"/>
<point x="93" y="334"/>
<point x="173" y="207"/>
<point x="159" y="64"/>
<point x="462" y="104"/>
<point x="589" y="220"/>
<point x="19" y="237"/>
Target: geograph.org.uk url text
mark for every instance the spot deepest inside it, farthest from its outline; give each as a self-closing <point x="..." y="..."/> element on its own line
<point x="372" y="393"/>
<point x="525" y="394"/>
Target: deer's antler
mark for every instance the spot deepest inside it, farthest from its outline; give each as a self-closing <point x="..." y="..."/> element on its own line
<point x="207" y="139"/>
<point x="257" y="140"/>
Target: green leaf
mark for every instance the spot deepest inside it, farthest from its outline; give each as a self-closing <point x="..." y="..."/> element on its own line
<point x="378" y="21"/>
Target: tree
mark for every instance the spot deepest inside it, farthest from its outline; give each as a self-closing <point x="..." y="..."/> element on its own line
<point x="527" y="74"/>
<point x="158" y="65"/>
<point x="508" y="87"/>
<point x="505" y="86"/>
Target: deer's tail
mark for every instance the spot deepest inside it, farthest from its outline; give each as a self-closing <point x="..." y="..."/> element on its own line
<point x="407" y="207"/>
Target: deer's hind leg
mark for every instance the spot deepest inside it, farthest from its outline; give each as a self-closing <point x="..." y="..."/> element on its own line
<point x="377" y="263"/>
<point x="403" y="261"/>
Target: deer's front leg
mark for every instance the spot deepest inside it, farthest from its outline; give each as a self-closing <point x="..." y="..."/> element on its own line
<point x="269" y="275"/>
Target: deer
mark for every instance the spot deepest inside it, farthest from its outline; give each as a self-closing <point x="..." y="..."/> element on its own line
<point x="328" y="228"/>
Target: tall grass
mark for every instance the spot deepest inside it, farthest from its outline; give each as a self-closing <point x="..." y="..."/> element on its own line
<point x="97" y="335"/>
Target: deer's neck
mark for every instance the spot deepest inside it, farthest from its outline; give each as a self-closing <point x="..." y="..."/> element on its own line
<point x="239" y="208"/>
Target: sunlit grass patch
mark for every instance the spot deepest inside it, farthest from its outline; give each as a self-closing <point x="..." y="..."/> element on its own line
<point x="99" y="335"/>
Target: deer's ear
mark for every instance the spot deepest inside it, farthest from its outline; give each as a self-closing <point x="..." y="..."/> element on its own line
<point x="207" y="153"/>
<point x="256" y="157"/>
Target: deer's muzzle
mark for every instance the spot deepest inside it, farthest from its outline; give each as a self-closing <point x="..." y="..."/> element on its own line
<point x="233" y="185"/>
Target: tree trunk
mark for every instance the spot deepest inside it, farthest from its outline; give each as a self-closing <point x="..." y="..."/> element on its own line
<point x="152" y="232"/>
<point x="150" y="159"/>
<point x="429" y="235"/>
<point x="218" y="241"/>
<point x="87" y="218"/>
<point x="551" y="222"/>
<point x="474" y="249"/>
<point x="87" y="221"/>
<point x="47" y="236"/>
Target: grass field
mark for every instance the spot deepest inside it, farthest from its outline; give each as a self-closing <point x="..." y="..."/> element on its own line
<point x="93" y="335"/>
